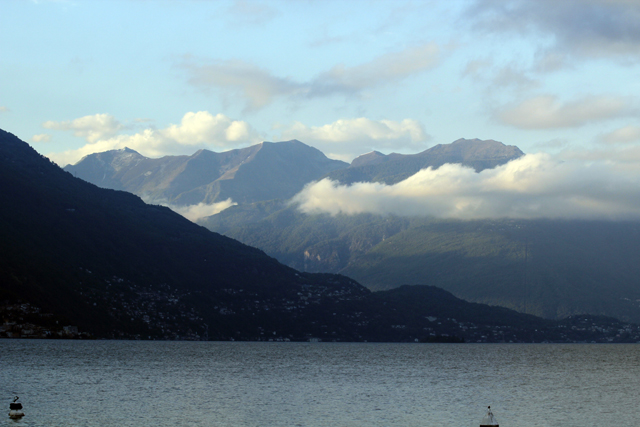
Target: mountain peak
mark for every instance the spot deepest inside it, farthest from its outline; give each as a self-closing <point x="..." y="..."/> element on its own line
<point x="284" y="143"/>
<point x="370" y="158"/>
<point x="461" y="140"/>
<point x="128" y="150"/>
<point x="476" y="141"/>
<point x="476" y="153"/>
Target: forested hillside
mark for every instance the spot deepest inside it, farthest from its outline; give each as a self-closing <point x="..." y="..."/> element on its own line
<point x="550" y="268"/>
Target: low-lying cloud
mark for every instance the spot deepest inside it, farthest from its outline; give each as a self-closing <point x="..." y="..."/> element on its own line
<point x="533" y="186"/>
<point x="201" y="210"/>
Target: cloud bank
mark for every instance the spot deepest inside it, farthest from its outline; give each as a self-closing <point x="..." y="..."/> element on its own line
<point x="533" y="186"/>
<point x="195" y="131"/>
<point x="343" y="139"/>
<point x="349" y="138"/>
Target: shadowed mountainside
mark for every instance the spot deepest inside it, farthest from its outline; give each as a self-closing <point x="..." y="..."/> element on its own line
<point x="119" y="268"/>
<point x="550" y="268"/>
<point x="87" y="253"/>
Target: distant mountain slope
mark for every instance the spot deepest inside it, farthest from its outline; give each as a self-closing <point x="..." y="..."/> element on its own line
<point x="118" y="268"/>
<point x="375" y="166"/>
<point x="313" y="243"/>
<point x="548" y="268"/>
<point x="543" y="267"/>
<point x="395" y="167"/>
<point x="86" y="252"/>
<point x="262" y="172"/>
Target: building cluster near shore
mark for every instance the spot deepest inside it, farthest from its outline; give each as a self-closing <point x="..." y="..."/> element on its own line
<point x="27" y="321"/>
<point x="23" y="320"/>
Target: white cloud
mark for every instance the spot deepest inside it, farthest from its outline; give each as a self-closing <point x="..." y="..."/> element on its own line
<point x="259" y="87"/>
<point x="201" y="210"/>
<point x="623" y="156"/>
<point x="352" y="137"/>
<point x="625" y="135"/>
<point x="196" y="130"/>
<point x="92" y="128"/>
<point x="203" y="127"/>
<point x="43" y="137"/>
<point x="533" y="186"/>
<point x="547" y="112"/>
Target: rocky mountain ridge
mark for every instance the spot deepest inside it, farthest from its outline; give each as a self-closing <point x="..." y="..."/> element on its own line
<point x="394" y="167"/>
<point x="261" y="172"/>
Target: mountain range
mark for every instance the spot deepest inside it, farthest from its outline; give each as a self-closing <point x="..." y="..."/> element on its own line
<point x="117" y="267"/>
<point x="394" y="167"/>
<point x="261" y="172"/>
<point x="550" y="268"/>
<point x="267" y="171"/>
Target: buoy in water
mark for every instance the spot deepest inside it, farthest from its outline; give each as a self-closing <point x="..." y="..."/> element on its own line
<point x="15" y="409"/>
<point x="489" y="420"/>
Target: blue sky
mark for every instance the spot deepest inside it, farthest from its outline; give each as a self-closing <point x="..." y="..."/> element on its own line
<point x="348" y="77"/>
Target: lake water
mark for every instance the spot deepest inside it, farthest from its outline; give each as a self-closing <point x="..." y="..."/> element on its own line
<point x="127" y="383"/>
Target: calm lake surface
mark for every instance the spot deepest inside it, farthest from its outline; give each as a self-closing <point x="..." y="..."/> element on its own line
<point x="127" y="383"/>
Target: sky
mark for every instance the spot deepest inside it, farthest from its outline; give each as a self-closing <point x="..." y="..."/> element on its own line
<point x="558" y="79"/>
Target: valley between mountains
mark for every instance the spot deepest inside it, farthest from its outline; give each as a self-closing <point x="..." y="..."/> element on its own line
<point x="102" y="259"/>
<point x="551" y="268"/>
